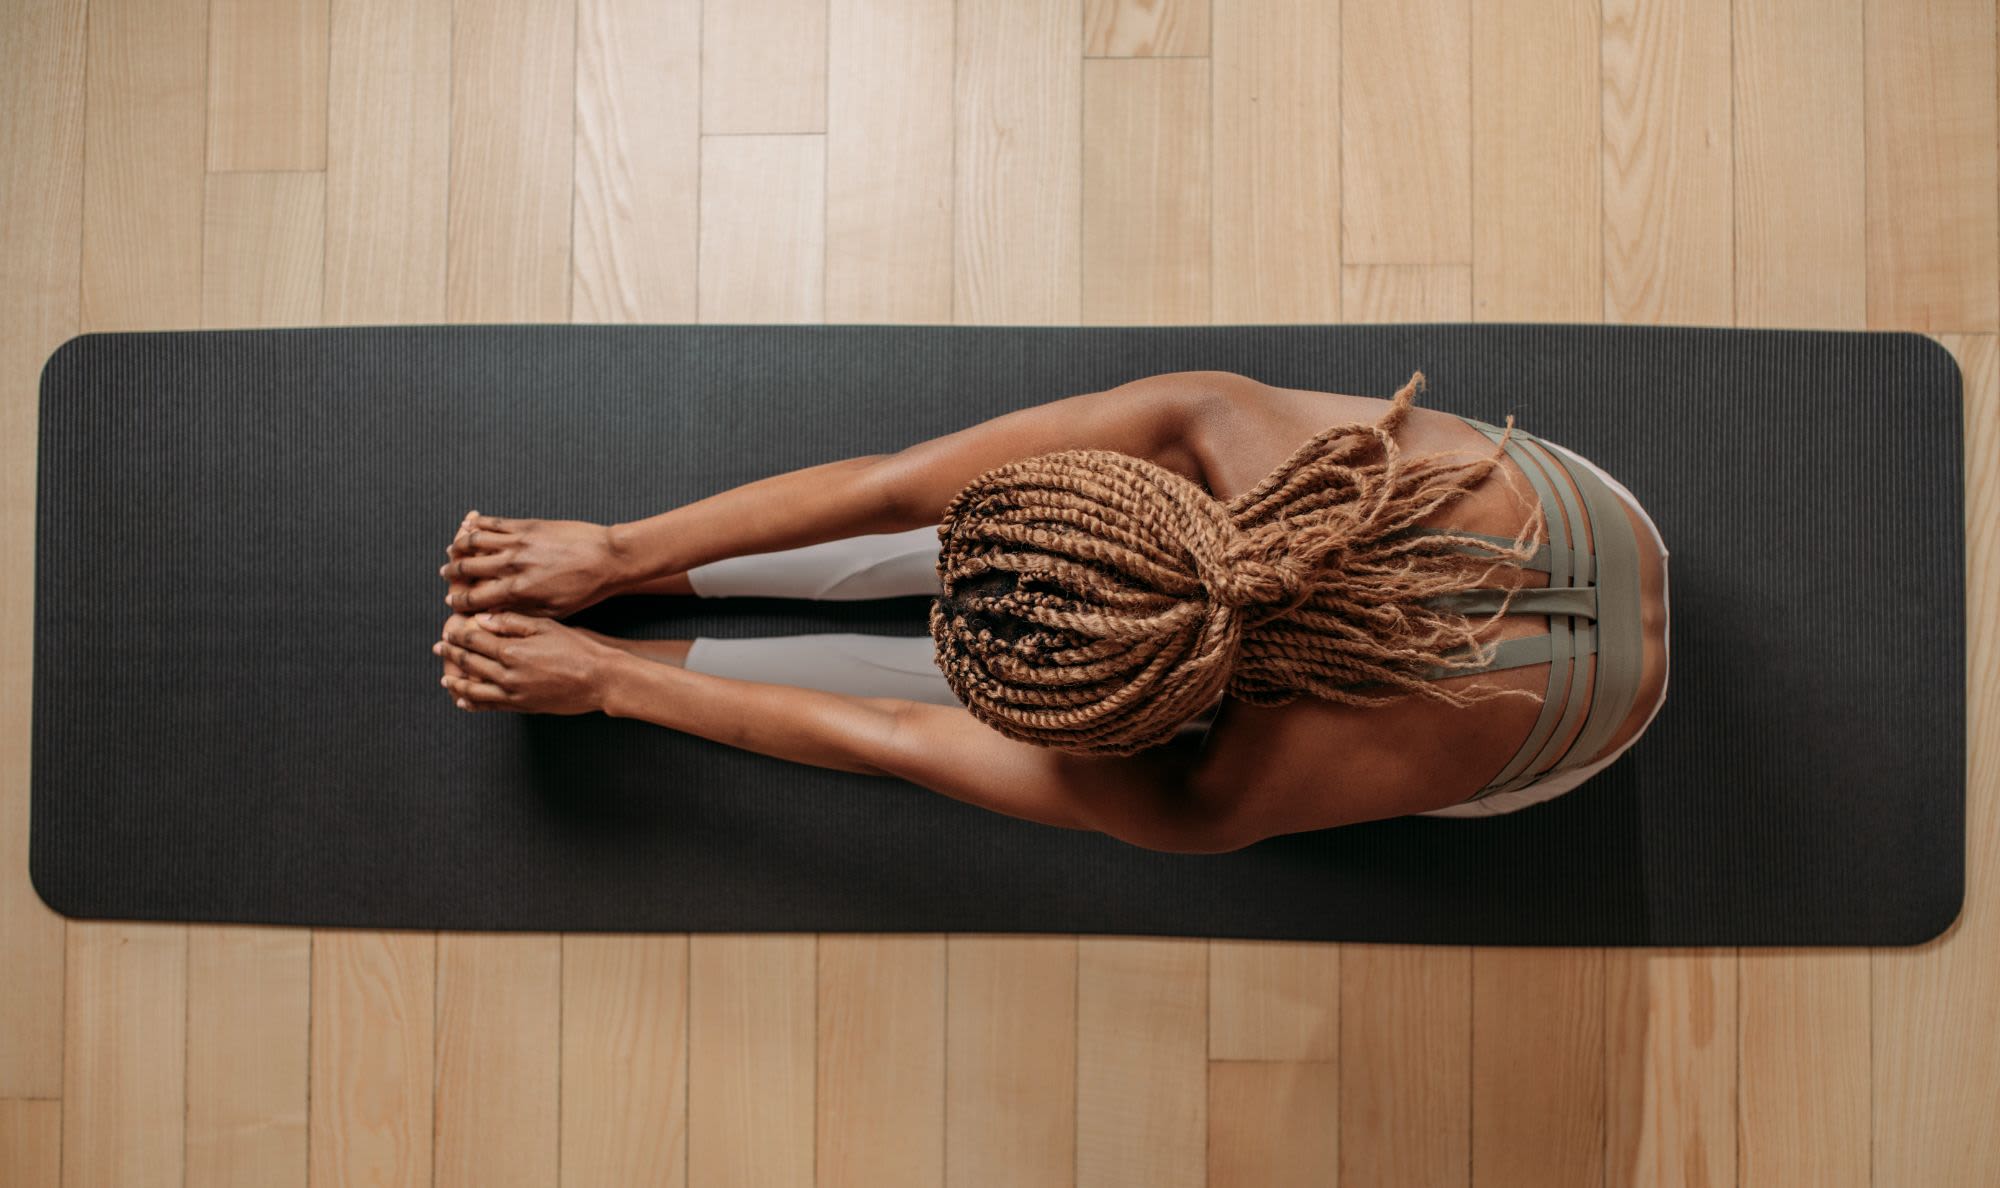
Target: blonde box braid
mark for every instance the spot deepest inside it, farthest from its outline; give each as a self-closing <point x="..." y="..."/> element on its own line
<point x="1094" y="601"/>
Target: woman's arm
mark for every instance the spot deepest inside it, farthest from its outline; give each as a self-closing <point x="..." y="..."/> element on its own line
<point x="880" y="493"/>
<point x="1141" y="799"/>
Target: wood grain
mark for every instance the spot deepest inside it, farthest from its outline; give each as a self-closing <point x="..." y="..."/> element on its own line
<point x="751" y="1054"/>
<point x="1273" y="1000"/>
<point x="1141" y="1062"/>
<point x="1670" y="1067"/>
<point x="1018" y="175"/>
<point x="888" y="162"/>
<point x="624" y="1060"/>
<point x="763" y="229"/>
<point x="1406" y="132"/>
<point x="498" y="1055"/>
<point x="763" y="66"/>
<point x="1802" y="1110"/>
<point x="267" y="84"/>
<point x="30" y="1143"/>
<point x="124" y="1055"/>
<point x="1668" y="230"/>
<point x="142" y="162"/>
<point x="1275" y="232"/>
<point x="388" y="159"/>
<point x="374" y="1004"/>
<point x="1933" y="228"/>
<point x="1271" y="1125"/>
<point x="263" y="249"/>
<point x="1145" y="192"/>
<point x="638" y="160"/>
<point x="1011" y="1061"/>
<point x="881" y="1088"/>
<point x="1538" y="1067"/>
<point x="41" y="180"/>
<point x="247" y="1030"/>
<point x="1406" y="292"/>
<point x="1145" y="28"/>
<point x="1801" y="253"/>
<point x="1536" y="171"/>
<point x="513" y="95"/>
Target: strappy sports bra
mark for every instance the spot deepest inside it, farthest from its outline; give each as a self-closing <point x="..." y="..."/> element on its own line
<point x="1593" y="605"/>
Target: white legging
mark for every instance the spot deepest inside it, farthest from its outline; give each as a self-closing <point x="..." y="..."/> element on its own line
<point x="896" y="564"/>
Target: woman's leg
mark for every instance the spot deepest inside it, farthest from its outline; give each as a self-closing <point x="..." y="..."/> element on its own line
<point x="880" y="565"/>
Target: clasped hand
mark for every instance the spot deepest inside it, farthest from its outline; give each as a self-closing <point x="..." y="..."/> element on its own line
<point x="501" y="647"/>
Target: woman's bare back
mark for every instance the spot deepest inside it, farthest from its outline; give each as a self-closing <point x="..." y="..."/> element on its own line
<point x="1386" y="761"/>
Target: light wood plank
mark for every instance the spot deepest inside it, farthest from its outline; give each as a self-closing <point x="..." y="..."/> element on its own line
<point x="1141" y="1062"/>
<point x="638" y="160"/>
<point x="1406" y="1012"/>
<point x="1670" y="1067"/>
<point x="41" y="178"/>
<point x="1270" y="1125"/>
<point x="374" y="1002"/>
<point x="513" y="99"/>
<point x="888" y="164"/>
<point x="624" y="1060"/>
<point x="763" y="229"/>
<point x="881" y="1087"/>
<point x="1801" y="253"/>
<point x="1273" y="1000"/>
<point x="267" y="72"/>
<point x="751" y="1051"/>
<point x="1803" y="1091"/>
<point x="1275" y="237"/>
<point x="1145" y="192"/>
<point x="263" y="247"/>
<point x="1145" y="28"/>
<point x="125" y="1049"/>
<point x="1937" y="1070"/>
<point x="1933" y="228"/>
<point x="763" y="66"/>
<point x="1406" y="292"/>
<point x="1536" y="172"/>
<point x="498" y="1056"/>
<point x="247" y="1030"/>
<point x="1018" y="180"/>
<point x="142" y="188"/>
<point x="1010" y="1061"/>
<point x="1405" y="1108"/>
<point x="1667" y="207"/>
<point x="1538" y="1067"/>
<point x="1406" y="132"/>
<point x="30" y="1143"/>
<point x="388" y="152"/>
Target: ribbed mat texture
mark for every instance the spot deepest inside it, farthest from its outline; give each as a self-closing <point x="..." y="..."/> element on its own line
<point x="237" y="716"/>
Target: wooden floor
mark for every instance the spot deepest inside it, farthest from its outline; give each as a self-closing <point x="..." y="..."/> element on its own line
<point x="212" y="163"/>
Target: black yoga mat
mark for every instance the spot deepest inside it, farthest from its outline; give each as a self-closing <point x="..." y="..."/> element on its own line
<point x="237" y="716"/>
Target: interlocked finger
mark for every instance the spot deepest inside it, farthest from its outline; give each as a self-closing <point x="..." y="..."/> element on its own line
<point x="472" y="663"/>
<point x="475" y="690"/>
<point x="465" y="635"/>
<point x="477" y="566"/>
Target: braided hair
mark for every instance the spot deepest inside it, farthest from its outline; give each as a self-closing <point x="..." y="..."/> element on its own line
<point x="1094" y="601"/>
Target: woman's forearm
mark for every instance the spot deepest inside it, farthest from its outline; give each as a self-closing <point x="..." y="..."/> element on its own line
<point x="784" y="511"/>
<point x="813" y="726"/>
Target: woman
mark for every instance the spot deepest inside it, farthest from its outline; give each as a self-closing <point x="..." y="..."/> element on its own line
<point x="1190" y="612"/>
